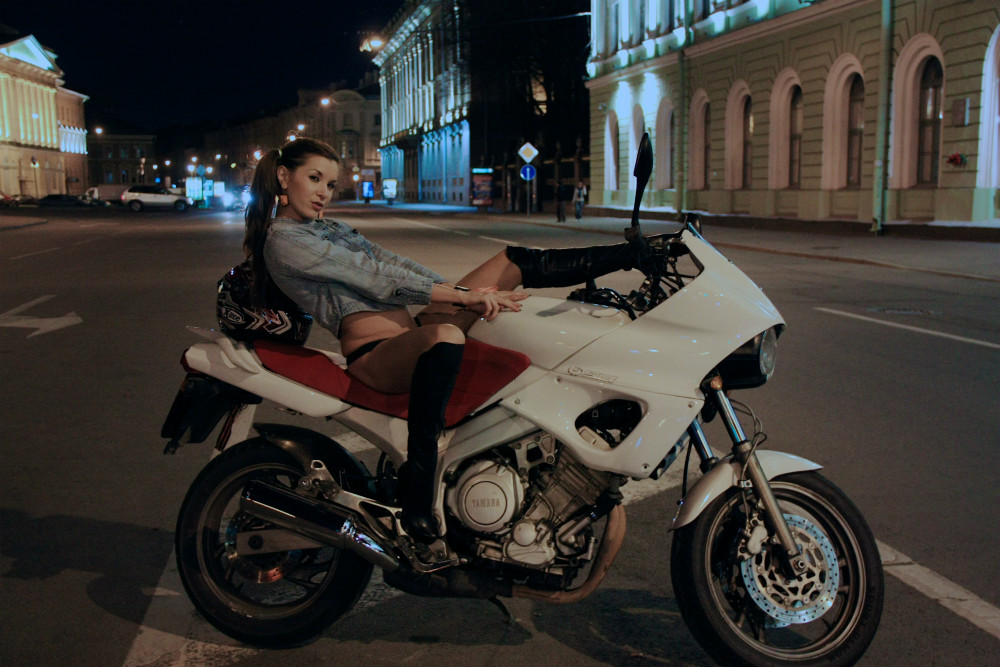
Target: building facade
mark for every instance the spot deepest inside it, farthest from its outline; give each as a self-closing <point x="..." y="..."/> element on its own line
<point x="861" y="110"/>
<point x="118" y="159"/>
<point x="466" y="83"/>
<point x="426" y="92"/>
<point x="43" y="140"/>
<point x="350" y="120"/>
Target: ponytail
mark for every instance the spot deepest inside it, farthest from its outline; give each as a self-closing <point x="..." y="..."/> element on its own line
<point x="264" y="193"/>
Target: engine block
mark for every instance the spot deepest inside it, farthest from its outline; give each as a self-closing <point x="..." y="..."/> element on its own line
<point x="530" y="516"/>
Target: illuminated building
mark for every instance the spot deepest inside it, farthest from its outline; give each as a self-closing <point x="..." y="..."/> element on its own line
<point x="347" y="119"/>
<point x="465" y="83"/>
<point x="43" y="143"/>
<point x="834" y="109"/>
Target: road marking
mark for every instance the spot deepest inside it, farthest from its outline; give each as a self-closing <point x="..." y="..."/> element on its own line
<point x="949" y="595"/>
<point x="32" y="254"/>
<point x="42" y="324"/>
<point x="929" y="332"/>
<point x="172" y="635"/>
<point x="496" y="240"/>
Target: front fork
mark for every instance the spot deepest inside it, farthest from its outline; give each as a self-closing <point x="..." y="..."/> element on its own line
<point x="743" y="452"/>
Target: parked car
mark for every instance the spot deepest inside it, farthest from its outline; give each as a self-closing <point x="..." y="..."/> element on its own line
<point x="24" y="200"/>
<point x="66" y="200"/>
<point x="6" y="201"/>
<point x="137" y="197"/>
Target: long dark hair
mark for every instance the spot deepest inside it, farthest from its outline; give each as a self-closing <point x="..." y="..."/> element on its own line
<point x="264" y="192"/>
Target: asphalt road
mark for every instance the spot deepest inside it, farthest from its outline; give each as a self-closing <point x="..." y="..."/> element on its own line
<point x="93" y="307"/>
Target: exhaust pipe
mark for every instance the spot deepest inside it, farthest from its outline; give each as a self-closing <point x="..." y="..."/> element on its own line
<point x="314" y="519"/>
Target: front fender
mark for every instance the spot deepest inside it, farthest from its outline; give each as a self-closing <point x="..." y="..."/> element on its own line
<point x="727" y="474"/>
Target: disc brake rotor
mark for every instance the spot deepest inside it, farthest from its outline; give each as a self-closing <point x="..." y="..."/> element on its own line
<point x="804" y="598"/>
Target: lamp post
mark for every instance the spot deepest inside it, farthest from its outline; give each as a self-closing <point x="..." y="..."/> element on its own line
<point x="34" y="165"/>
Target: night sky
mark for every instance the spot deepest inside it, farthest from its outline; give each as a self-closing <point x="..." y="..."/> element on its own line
<point x="160" y="64"/>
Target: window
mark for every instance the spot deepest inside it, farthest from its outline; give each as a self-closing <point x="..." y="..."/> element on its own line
<point x="746" y="181"/>
<point x="614" y="15"/>
<point x="795" y="140"/>
<point x="611" y="152"/>
<point x="707" y="149"/>
<point x="929" y="132"/>
<point x="855" y="130"/>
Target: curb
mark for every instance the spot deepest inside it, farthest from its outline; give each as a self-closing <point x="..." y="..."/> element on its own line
<point x="830" y="226"/>
<point x="22" y="225"/>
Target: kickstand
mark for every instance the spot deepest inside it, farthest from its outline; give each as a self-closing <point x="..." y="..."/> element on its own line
<point x="508" y="617"/>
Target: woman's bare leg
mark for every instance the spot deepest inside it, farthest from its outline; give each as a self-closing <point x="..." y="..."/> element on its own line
<point x="498" y="271"/>
<point x="389" y="367"/>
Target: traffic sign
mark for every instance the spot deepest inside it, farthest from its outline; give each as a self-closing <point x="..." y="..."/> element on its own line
<point x="527" y="152"/>
<point x="528" y="172"/>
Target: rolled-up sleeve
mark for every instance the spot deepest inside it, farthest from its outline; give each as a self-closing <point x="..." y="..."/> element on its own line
<point x="297" y="253"/>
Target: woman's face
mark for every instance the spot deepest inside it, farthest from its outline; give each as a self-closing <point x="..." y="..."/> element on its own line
<point x="309" y="188"/>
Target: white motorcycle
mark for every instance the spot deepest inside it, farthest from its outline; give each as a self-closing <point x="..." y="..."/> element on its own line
<point x="554" y="410"/>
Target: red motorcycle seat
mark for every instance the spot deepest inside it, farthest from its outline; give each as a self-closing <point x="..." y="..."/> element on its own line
<point x="485" y="370"/>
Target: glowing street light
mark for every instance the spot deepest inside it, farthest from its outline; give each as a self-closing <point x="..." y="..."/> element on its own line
<point x="372" y="43"/>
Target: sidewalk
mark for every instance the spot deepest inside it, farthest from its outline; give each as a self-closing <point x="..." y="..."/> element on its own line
<point x="950" y="252"/>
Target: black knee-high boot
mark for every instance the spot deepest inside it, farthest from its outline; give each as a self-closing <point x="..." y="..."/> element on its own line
<point x="562" y="267"/>
<point x="433" y="381"/>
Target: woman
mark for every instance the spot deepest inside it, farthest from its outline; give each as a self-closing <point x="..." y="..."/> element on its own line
<point x="579" y="198"/>
<point x="360" y="291"/>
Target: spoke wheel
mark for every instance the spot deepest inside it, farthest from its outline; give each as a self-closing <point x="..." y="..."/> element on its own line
<point x="744" y="610"/>
<point x="271" y="598"/>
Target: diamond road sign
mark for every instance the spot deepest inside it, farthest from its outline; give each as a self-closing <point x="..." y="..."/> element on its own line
<point x="527" y="152"/>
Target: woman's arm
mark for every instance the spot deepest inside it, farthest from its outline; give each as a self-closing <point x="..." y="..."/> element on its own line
<point x="489" y="304"/>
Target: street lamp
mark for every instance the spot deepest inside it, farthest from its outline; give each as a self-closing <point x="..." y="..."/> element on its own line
<point x="34" y="165"/>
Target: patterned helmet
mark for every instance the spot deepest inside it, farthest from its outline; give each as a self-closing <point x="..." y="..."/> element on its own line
<point x="280" y="319"/>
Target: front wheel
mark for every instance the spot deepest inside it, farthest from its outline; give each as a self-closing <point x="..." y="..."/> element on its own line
<point x="270" y="598"/>
<point x="181" y="206"/>
<point x="742" y="608"/>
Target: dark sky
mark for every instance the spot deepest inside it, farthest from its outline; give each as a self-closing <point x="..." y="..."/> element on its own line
<point x="163" y="63"/>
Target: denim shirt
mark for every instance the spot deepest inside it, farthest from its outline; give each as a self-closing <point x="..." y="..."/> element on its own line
<point x="332" y="271"/>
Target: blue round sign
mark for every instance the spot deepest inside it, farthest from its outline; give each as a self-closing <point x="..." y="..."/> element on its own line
<point x="528" y="172"/>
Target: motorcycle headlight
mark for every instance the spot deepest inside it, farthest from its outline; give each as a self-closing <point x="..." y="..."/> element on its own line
<point x="752" y="364"/>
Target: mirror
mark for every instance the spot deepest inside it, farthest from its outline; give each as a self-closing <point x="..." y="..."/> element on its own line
<point x="692" y="219"/>
<point x="642" y="171"/>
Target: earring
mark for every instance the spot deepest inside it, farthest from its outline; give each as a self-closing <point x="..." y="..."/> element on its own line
<point x="283" y="199"/>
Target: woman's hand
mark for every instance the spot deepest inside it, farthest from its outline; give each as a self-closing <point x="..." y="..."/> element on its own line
<point x="490" y="302"/>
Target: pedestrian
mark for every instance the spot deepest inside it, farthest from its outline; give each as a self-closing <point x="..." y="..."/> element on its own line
<point x="579" y="197"/>
<point x="560" y="202"/>
<point x="360" y="292"/>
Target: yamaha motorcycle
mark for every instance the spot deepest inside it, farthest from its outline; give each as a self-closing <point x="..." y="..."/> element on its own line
<point x="555" y="409"/>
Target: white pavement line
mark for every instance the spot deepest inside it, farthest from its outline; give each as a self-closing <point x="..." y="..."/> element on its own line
<point x="496" y="240"/>
<point x="32" y="254"/>
<point x="929" y="332"/>
<point x="950" y="595"/>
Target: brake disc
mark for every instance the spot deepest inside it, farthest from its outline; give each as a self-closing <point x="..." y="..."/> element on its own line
<point x="801" y="599"/>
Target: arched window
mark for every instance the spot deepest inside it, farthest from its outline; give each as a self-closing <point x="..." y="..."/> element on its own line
<point x="611" y="152"/>
<point x="795" y="140"/>
<point x="855" y="130"/>
<point x="699" y="142"/>
<point x="917" y="94"/>
<point x="929" y="133"/>
<point x="663" y="164"/>
<point x="738" y="127"/>
<point x="746" y="181"/>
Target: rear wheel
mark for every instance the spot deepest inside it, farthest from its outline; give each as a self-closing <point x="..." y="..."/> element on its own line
<point x="181" y="205"/>
<point x="135" y="205"/>
<point x="273" y="598"/>
<point x="742" y="608"/>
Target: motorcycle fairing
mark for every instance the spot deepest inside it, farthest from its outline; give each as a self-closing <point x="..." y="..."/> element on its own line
<point x="686" y="336"/>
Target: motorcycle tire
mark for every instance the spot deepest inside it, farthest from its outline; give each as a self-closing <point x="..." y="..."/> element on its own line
<point x="741" y="608"/>
<point x="277" y="599"/>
